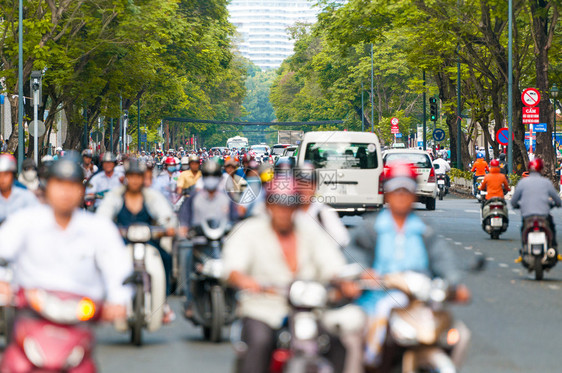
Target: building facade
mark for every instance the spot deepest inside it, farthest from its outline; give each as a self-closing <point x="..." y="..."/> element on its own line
<point x="263" y="35"/>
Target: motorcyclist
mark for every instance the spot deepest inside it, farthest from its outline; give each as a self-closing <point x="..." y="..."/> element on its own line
<point x="12" y="199"/>
<point x="535" y="194"/>
<point x="312" y="206"/>
<point x="105" y="180"/>
<point x="87" y="165"/>
<point x="503" y="164"/>
<point x="443" y="169"/>
<point x="28" y="176"/>
<point x="394" y="241"/>
<point x="166" y="182"/>
<point x="273" y="250"/>
<point x="480" y="167"/>
<point x="70" y="250"/>
<point x="133" y="203"/>
<point x="495" y="183"/>
<point x="189" y="177"/>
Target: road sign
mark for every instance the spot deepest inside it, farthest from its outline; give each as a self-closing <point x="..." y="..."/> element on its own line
<point x="531" y="115"/>
<point x="97" y="136"/>
<point x="40" y="128"/>
<point x="394" y="121"/>
<point x="129" y="139"/>
<point x="394" y="129"/>
<point x="540" y="127"/>
<point x="143" y="137"/>
<point x="439" y="134"/>
<point x="531" y="97"/>
<point x="398" y="135"/>
<point x="502" y="136"/>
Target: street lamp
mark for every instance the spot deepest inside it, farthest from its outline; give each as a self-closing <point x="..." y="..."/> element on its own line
<point x="554" y="94"/>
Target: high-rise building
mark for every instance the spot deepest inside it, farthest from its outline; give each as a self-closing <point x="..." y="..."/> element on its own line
<point x="263" y="27"/>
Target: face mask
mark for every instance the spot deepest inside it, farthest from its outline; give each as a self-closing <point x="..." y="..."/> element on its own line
<point x="172" y="169"/>
<point x="29" y="175"/>
<point x="211" y="182"/>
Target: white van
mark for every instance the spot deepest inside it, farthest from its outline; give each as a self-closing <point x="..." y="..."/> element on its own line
<point x="349" y="167"/>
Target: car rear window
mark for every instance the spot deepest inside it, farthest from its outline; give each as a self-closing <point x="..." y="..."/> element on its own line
<point x="278" y="150"/>
<point x="419" y="160"/>
<point x="342" y="155"/>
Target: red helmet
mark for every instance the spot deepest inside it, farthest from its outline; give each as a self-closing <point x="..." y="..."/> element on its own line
<point x="170" y="161"/>
<point x="494" y="163"/>
<point x="247" y="157"/>
<point x="400" y="175"/>
<point x="536" y="165"/>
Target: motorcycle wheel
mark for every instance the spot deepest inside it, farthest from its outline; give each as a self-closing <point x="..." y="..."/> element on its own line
<point x="441" y="194"/>
<point x="138" y="315"/>
<point x="495" y="236"/>
<point x="430" y="204"/>
<point x="8" y="317"/>
<point x="538" y="269"/>
<point x="213" y="333"/>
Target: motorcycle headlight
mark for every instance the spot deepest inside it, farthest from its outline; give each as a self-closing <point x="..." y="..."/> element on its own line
<point x="402" y="332"/>
<point x="139" y="233"/>
<point x="213" y="268"/>
<point x="33" y="352"/>
<point x="138" y="251"/>
<point x="305" y="326"/>
<point x="75" y="357"/>
<point x="450" y="337"/>
<point x="308" y="294"/>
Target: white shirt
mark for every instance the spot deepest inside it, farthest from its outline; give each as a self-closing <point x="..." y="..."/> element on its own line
<point x="166" y="184"/>
<point x="87" y="173"/>
<point x="443" y="166"/>
<point x="329" y="221"/>
<point x="87" y="258"/>
<point x="100" y="182"/>
<point x="254" y="250"/>
<point x="19" y="199"/>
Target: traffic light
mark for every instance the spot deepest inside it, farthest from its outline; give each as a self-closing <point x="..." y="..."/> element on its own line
<point x="433" y="109"/>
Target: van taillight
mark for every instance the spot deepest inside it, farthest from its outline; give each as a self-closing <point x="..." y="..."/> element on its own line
<point x="431" y="178"/>
<point x="381" y="179"/>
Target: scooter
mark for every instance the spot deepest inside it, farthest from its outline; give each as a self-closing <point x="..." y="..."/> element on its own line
<point x="495" y="217"/>
<point x="479" y="194"/>
<point x="214" y="304"/>
<point x="149" y="279"/>
<point x="538" y="255"/>
<point x="52" y="333"/>
<point x="442" y="185"/>
<point x="424" y="329"/>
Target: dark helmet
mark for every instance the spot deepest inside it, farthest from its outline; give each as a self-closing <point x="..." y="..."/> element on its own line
<point x="66" y="169"/>
<point x="211" y="168"/>
<point x="502" y="157"/>
<point x="134" y="166"/>
<point x="536" y="165"/>
<point x="27" y="164"/>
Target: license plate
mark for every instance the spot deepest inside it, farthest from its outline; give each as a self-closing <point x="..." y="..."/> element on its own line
<point x="497" y="222"/>
<point x="347" y="189"/>
<point x="441" y="182"/>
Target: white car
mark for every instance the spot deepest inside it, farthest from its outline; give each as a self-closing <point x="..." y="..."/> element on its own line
<point x="349" y="167"/>
<point x="427" y="186"/>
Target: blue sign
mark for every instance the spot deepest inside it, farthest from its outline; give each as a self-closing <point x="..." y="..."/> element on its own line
<point x="541" y="127"/>
<point x="439" y="135"/>
<point x="398" y="135"/>
<point x="143" y="137"/>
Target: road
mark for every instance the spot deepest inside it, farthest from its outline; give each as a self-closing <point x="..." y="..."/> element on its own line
<point x="515" y="321"/>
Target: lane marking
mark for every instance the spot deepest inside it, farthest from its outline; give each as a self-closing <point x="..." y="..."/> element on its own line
<point x="503" y="265"/>
<point x="554" y="287"/>
<point x="490" y="259"/>
<point x="478" y="253"/>
<point x="458" y="243"/>
<point x="448" y="238"/>
<point x="468" y="247"/>
<point x="476" y="211"/>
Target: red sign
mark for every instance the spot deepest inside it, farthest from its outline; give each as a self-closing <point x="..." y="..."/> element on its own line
<point x="531" y="97"/>
<point x="531" y="115"/>
<point x="394" y="129"/>
<point x="502" y="136"/>
<point x="394" y="121"/>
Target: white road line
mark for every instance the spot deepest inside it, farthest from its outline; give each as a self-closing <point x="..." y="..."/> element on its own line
<point x="448" y="238"/>
<point x="503" y="265"/>
<point x="458" y="243"/>
<point x="477" y="211"/>
<point x="478" y="253"/>
<point x="515" y="270"/>
<point x="554" y="287"/>
<point x="440" y="236"/>
<point x="490" y="259"/>
<point x="468" y="247"/>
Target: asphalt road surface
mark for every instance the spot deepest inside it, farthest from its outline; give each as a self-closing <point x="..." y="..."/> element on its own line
<point x="516" y="322"/>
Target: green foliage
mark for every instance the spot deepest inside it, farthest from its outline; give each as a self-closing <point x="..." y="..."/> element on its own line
<point x="257" y="103"/>
<point x="456" y="174"/>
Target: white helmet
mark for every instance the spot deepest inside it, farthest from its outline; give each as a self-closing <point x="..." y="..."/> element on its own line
<point x="7" y="163"/>
<point x="184" y="160"/>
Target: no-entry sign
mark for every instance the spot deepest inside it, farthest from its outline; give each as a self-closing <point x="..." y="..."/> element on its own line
<point x="502" y="136"/>
<point x="394" y="121"/>
<point x="531" y="97"/>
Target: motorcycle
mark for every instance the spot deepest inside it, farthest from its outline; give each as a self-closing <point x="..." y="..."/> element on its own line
<point x="52" y="333"/>
<point x="214" y="304"/>
<point x="149" y="280"/>
<point x="424" y="329"/>
<point x="538" y="254"/>
<point x="495" y="217"/>
<point x="442" y="185"/>
<point x="91" y="199"/>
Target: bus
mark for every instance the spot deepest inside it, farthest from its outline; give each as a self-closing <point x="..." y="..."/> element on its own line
<point x="237" y="142"/>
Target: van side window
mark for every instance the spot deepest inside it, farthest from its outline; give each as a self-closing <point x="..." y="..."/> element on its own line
<point x="341" y="155"/>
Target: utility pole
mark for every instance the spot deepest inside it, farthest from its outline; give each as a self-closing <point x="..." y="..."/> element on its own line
<point x="111" y="136"/>
<point x="372" y="92"/>
<point x="510" y="91"/>
<point x="424" y="113"/>
<point x="138" y="128"/>
<point x="362" y="107"/>
<point x="120" y="123"/>
<point x="85" y="138"/>
<point x="21" y="135"/>
<point x="459" y="110"/>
